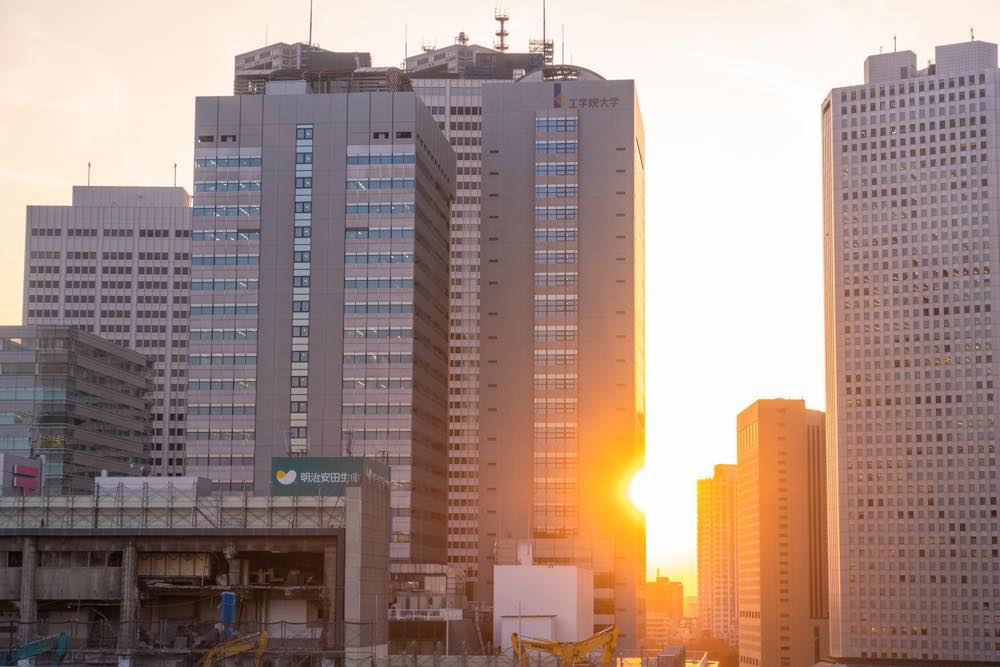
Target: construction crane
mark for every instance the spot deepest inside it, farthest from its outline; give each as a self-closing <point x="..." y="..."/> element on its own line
<point x="54" y="644"/>
<point x="569" y="653"/>
<point x="233" y="647"/>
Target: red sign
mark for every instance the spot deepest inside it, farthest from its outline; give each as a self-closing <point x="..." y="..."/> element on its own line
<point x="26" y="477"/>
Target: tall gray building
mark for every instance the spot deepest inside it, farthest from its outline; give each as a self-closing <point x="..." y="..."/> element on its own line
<point x="321" y="223"/>
<point x="562" y="387"/>
<point x="910" y="201"/>
<point x="116" y="263"/>
<point x="75" y="399"/>
<point x="450" y="81"/>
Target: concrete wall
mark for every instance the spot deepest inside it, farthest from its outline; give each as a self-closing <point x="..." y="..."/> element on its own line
<point x="550" y="598"/>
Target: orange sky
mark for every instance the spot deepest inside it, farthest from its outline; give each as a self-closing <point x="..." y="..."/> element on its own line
<point x="730" y="92"/>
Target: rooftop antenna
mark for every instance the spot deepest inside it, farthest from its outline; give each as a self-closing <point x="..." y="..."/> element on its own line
<point x="543" y="32"/>
<point x="406" y="41"/>
<point x="562" y="40"/>
<point x="427" y="48"/>
<point x="462" y="38"/>
<point x="893" y="43"/>
<point x="310" y="22"/>
<point x="88" y="173"/>
<point x="972" y="34"/>
<point x="501" y="16"/>
<point x="175" y="174"/>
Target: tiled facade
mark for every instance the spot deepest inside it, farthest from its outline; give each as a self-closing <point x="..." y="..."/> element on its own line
<point x="910" y="201"/>
<point x="325" y="332"/>
<point x="116" y="263"/>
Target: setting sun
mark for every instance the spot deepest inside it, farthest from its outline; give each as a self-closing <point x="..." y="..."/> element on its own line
<point x="639" y="491"/>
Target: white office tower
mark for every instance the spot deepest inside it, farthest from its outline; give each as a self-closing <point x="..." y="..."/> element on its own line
<point x="910" y="215"/>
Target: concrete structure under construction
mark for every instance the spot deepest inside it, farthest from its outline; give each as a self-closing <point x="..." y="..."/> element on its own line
<point x="781" y="574"/>
<point x="77" y="401"/>
<point x="135" y="571"/>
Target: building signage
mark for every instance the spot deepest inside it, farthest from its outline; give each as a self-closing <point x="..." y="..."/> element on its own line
<point x="560" y="101"/>
<point x="327" y="476"/>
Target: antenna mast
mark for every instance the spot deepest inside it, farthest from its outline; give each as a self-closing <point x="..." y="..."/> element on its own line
<point x="175" y="174"/>
<point x="501" y="16"/>
<point x="88" y="173"/>
<point x="543" y="28"/>
<point x="310" y="22"/>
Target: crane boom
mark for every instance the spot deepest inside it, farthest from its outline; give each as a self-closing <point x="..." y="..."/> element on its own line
<point x="569" y="653"/>
<point x="233" y="647"/>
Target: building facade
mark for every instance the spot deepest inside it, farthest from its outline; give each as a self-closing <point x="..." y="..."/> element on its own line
<point x="717" y="554"/>
<point x="321" y="234"/>
<point x="450" y="81"/>
<point x="910" y="194"/>
<point x="561" y="401"/>
<point x="116" y="263"/>
<point x="781" y="541"/>
<point x="77" y="401"/>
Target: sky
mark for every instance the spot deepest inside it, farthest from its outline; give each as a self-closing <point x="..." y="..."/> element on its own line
<point x="730" y="92"/>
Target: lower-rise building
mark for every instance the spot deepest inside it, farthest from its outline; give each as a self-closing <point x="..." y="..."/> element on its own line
<point x="717" y="554"/>
<point x="76" y="401"/>
<point x="781" y="535"/>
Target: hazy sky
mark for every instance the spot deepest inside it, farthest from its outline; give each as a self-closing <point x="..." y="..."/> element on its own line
<point x="730" y="91"/>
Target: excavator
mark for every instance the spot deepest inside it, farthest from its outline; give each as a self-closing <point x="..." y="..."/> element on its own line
<point x="568" y="653"/>
<point x="257" y="642"/>
<point x="54" y="644"/>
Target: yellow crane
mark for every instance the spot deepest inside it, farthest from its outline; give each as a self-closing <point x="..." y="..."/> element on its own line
<point x="236" y="646"/>
<point x="569" y="653"/>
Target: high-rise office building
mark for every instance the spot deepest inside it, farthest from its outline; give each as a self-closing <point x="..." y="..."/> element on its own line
<point x="75" y="400"/>
<point x="449" y="81"/>
<point x="717" y="554"/>
<point x="910" y="201"/>
<point x="116" y="263"/>
<point x="781" y="571"/>
<point x="561" y="400"/>
<point x="321" y="227"/>
<point x="665" y="597"/>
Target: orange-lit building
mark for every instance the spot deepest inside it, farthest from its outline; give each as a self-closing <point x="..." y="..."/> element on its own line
<point x="562" y="386"/>
<point x="782" y="600"/>
<point x="717" y="554"/>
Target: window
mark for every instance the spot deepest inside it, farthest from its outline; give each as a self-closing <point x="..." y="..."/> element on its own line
<point x="304" y="132"/>
<point x="380" y="135"/>
<point x="404" y="135"/>
<point x="300" y="380"/>
<point x="300" y="306"/>
<point x="556" y="124"/>
<point x="546" y="147"/>
<point x="303" y="232"/>
<point x="300" y="281"/>
<point x="303" y="207"/>
<point x="302" y="257"/>
<point x="303" y="158"/>
<point x="298" y="406"/>
<point x="303" y="182"/>
<point x="555" y="168"/>
<point x="300" y="332"/>
<point x="299" y="356"/>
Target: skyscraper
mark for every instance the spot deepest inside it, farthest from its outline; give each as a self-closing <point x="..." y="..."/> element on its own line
<point x="321" y="227"/>
<point x="781" y="534"/>
<point x="116" y="263"/>
<point x="562" y="404"/>
<point x="910" y="192"/>
<point x="450" y="81"/>
<point x="717" y="554"/>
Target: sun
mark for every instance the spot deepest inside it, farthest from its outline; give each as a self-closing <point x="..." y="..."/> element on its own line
<point x="640" y="491"/>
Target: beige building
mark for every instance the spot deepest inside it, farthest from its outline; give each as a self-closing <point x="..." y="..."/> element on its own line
<point x="717" y="554"/>
<point x="781" y="535"/>
<point x="911" y="243"/>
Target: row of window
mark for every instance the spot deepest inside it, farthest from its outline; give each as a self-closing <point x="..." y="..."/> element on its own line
<point x="557" y="147"/>
<point x="567" y="279"/>
<point x="378" y="283"/>
<point x="225" y="211"/>
<point x="224" y="334"/>
<point x="225" y="309"/>
<point x="370" y="358"/>
<point x="225" y="235"/>
<point x="378" y="258"/>
<point x="375" y="333"/>
<point x="227" y="186"/>
<point x="378" y="383"/>
<point x="221" y="409"/>
<point x="228" y="434"/>
<point x="223" y="284"/>
<point x="364" y="208"/>
<point x="380" y="183"/>
<point x="555" y="212"/>
<point x="380" y="233"/>
<point x="229" y="260"/>
<point x="377" y="408"/>
<point x="555" y="257"/>
<point x="381" y="158"/>
<point x="551" y="190"/>
<point x="236" y="384"/>
<point x="227" y="162"/>
<point x="557" y="124"/>
<point x="556" y="234"/>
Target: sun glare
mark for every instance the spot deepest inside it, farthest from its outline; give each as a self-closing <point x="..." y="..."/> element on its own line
<point x="639" y="491"/>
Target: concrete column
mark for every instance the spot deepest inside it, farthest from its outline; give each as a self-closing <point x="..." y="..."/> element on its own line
<point x="28" y="604"/>
<point x="331" y="610"/>
<point x="129" y="610"/>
